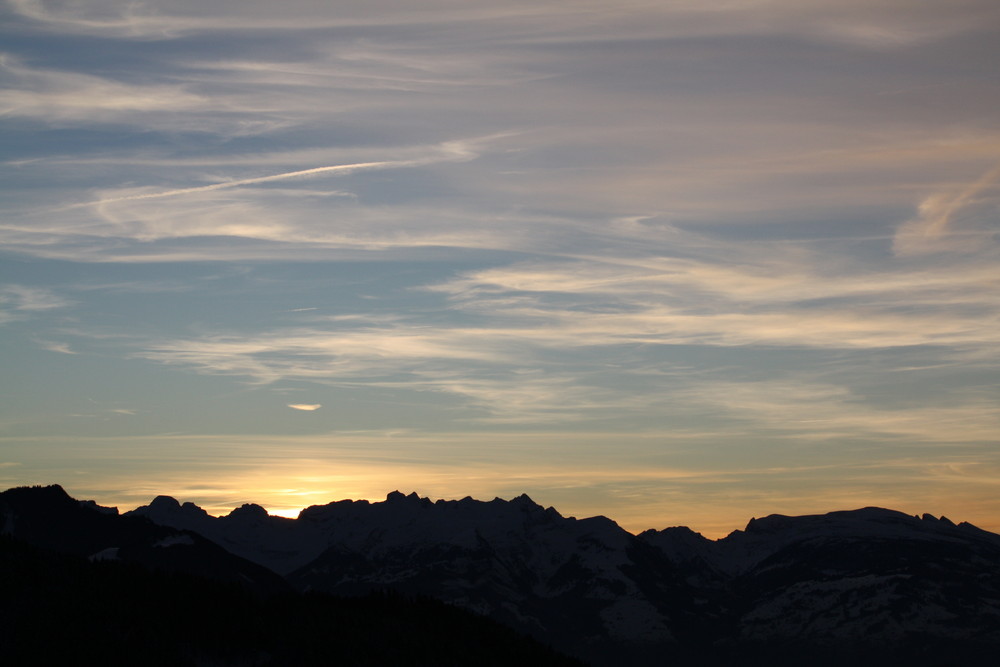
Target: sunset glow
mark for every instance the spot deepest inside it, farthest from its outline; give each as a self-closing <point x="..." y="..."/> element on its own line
<point x="672" y="263"/>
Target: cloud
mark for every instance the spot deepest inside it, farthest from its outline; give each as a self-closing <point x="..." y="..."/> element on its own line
<point x="527" y="342"/>
<point x="450" y="151"/>
<point x="144" y="22"/>
<point x="883" y="24"/>
<point x="938" y="227"/>
<point x="24" y="297"/>
<point x="804" y="410"/>
<point x="742" y="145"/>
<point x="73" y="97"/>
<point x="665" y="280"/>
<point x="490" y="367"/>
<point x="307" y="407"/>
<point x="366" y="67"/>
<point x="794" y="297"/>
<point x="638" y="482"/>
<point x="291" y="221"/>
<point x="52" y="346"/>
<point x="454" y="150"/>
<point x="583" y="338"/>
<point x="18" y="302"/>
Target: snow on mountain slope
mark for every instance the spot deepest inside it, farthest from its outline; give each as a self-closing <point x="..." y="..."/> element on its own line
<point x="513" y="560"/>
<point x="520" y="528"/>
<point x="791" y="588"/>
<point x="573" y="582"/>
<point x="864" y="580"/>
<point x="875" y="577"/>
<point x="743" y="550"/>
<point x="277" y="543"/>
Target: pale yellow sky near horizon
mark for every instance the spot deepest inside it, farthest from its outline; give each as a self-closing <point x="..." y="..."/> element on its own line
<point x="284" y="477"/>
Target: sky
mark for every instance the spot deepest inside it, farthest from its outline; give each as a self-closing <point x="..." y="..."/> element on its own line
<point x="674" y="263"/>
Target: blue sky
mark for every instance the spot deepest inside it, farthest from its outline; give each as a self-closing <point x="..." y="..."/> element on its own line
<point x="673" y="263"/>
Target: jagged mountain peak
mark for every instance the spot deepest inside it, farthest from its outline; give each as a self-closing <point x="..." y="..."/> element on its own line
<point x="164" y="504"/>
<point x="401" y="501"/>
<point x="941" y="519"/>
<point x="412" y="498"/>
<point x="863" y="519"/>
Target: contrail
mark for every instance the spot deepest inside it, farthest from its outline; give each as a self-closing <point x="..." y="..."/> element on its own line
<point x="453" y="151"/>
<point x="251" y="181"/>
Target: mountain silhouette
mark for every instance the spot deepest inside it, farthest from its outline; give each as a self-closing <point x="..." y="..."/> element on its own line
<point x="866" y="586"/>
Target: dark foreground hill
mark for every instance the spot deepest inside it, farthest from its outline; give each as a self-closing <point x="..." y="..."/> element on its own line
<point x="60" y="608"/>
<point x="864" y="587"/>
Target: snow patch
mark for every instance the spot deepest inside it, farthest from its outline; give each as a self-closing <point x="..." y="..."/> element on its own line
<point x="175" y="541"/>
<point x="635" y="621"/>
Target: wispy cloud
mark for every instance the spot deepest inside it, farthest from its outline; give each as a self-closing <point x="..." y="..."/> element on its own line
<point x="806" y="409"/>
<point x="288" y="219"/>
<point x="305" y="407"/>
<point x="23" y="297"/>
<point x="573" y="312"/>
<point x="937" y="227"/>
<point x="53" y="346"/>
<point x="885" y="24"/>
<point x="737" y="252"/>
<point x="61" y="96"/>
<point x="18" y="302"/>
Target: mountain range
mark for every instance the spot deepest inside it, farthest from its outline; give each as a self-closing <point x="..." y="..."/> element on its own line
<point x="866" y="586"/>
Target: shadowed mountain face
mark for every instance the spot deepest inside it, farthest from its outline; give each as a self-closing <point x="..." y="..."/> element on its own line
<point x="864" y="586"/>
<point x="64" y="610"/>
<point x="47" y="517"/>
